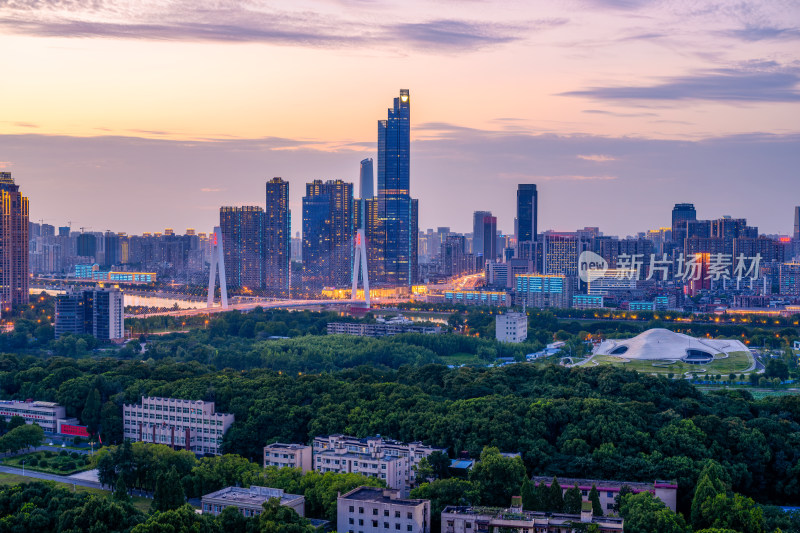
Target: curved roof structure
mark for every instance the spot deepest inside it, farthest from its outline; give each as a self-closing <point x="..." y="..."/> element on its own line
<point x="665" y="345"/>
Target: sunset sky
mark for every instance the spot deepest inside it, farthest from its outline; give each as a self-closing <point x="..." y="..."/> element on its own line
<point x="139" y="115"/>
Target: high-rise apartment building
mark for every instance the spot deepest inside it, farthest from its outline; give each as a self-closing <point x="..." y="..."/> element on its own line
<point x="277" y="246"/>
<point x="527" y="212"/>
<point x="681" y="214"/>
<point x="398" y="213"/>
<point x="328" y="228"/>
<point x="97" y="312"/>
<point x="477" y="231"/>
<point x="243" y="238"/>
<point x="13" y="244"/>
<point x="561" y="251"/>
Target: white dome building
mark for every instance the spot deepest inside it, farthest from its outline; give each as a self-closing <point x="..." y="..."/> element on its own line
<point x="665" y="345"/>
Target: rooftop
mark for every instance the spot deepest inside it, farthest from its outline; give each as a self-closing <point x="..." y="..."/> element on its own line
<point x="500" y="513"/>
<point x="603" y="484"/>
<point x="251" y="496"/>
<point x="286" y="446"/>
<point x="379" y="495"/>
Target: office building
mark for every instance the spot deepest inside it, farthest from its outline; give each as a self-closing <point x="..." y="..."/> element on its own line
<point x="389" y="460"/>
<point x="288" y="456"/>
<point x="608" y="282"/>
<point x="681" y="214"/>
<point x="328" y="228"/>
<point x="587" y="301"/>
<point x="391" y="327"/>
<point x="543" y="290"/>
<point x="243" y="239"/>
<point x="185" y="424"/>
<point x="666" y="491"/>
<point x="511" y="327"/>
<point x="98" y="312"/>
<point x="561" y="251"/>
<point x="478" y="297"/>
<point x="45" y="414"/>
<point x="394" y="233"/>
<point x="277" y="233"/>
<point x="453" y="257"/>
<point x="111" y="247"/>
<point x="797" y="223"/>
<point x="790" y="279"/>
<point x="477" y="235"/>
<point x="489" y="238"/>
<point x="366" y="190"/>
<point x="14" y="245"/>
<point x="378" y="510"/>
<point x="527" y="213"/>
<point x="250" y="501"/>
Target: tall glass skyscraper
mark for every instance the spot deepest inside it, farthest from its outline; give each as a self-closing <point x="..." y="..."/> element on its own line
<point x="397" y="211"/>
<point x="527" y="212"/>
<point x="682" y="214"/>
<point x="277" y="238"/>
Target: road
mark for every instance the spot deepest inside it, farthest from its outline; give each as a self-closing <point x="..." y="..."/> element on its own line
<point x="249" y="306"/>
<point x="51" y="477"/>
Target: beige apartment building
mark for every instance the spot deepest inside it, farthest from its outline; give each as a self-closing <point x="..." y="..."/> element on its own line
<point x="288" y="456"/>
<point x="249" y="501"/>
<point x="377" y="510"/>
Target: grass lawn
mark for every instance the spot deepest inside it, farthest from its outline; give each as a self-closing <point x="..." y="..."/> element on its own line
<point x="143" y="504"/>
<point x="62" y="465"/>
<point x="736" y="362"/>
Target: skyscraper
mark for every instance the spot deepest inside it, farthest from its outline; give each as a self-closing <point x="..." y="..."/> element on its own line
<point x="797" y="223"/>
<point x="327" y="234"/>
<point x="397" y="211"/>
<point x="489" y="238"/>
<point x="477" y="231"/>
<point x="243" y="238"/>
<point x="13" y="244"/>
<point x="681" y="214"/>
<point x="277" y="246"/>
<point x="527" y="212"/>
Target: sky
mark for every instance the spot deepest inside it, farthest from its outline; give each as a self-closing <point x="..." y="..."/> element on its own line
<point x="140" y="115"/>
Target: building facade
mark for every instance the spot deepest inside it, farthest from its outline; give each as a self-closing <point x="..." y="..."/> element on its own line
<point x="489" y="520"/>
<point x="187" y="424"/>
<point x="277" y="239"/>
<point x="389" y="460"/>
<point x="377" y="510"/>
<point x="328" y="229"/>
<point x="288" y="456"/>
<point x="681" y="215"/>
<point x="542" y="290"/>
<point x="478" y="297"/>
<point x="250" y="501"/>
<point x="14" y="267"/>
<point x="396" y="234"/>
<point x="99" y="312"/>
<point x="45" y="414"/>
<point x="511" y="327"/>
<point x="243" y="240"/>
<point x="666" y="491"/>
<point x="527" y="212"/>
<point x="378" y="330"/>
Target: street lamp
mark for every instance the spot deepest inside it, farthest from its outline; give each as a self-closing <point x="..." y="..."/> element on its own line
<point x="23" y="468"/>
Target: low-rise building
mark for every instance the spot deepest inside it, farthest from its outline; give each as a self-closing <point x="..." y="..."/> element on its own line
<point x="45" y="414"/>
<point x="587" y="301"/>
<point x="511" y="327"/>
<point x="457" y="519"/>
<point x="250" y="501"/>
<point x="378" y="330"/>
<point x="392" y="461"/>
<point x="377" y="510"/>
<point x="288" y="456"/>
<point x="544" y="290"/>
<point x="666" y="491"/>
<point x="478" y="297"/>
<point x="189" y="424"/>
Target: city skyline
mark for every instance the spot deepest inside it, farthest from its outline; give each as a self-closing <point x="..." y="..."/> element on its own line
<point x="594" y="101"/>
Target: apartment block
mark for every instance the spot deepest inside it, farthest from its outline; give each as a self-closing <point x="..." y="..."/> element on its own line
<point x="377" y="510"/>
<point x="487" y="519"/>
<point x="386" y="459"/>
<point x="288" y="456"/>
<point x="666" y="491"/>
<point x="187" y="424"/>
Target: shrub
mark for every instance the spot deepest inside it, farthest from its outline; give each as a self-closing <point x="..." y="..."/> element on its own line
<point x="75" y="455"/>
<point x="68" y="465"/>
<point x="43" y="463"/>
<point x="63" y="453"/>
<point x="33" y="461"/>
<point x="49" y="454"/>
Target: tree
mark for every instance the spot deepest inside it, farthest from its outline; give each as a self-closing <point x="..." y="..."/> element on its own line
<point x="440" y="464"/>
<point x="277" y="518"/>
<point x="623" y="490"/>
<point x="21" y="437"/>
<point x="594" y="497"/>
<point x="541" y="498"/>
<point x="709" y="485"/>
<point x="737" y="512"/>
<point x="573" y="500"/>
<point x="121" y="490"/>
<point x="15" y="422"/>
<point x="178" y="520"/>
<point x="498" y="477"/>
<point x="528" y="494"/>
<point x="91" y="411"/>
<point x="644" y="513"/>
<point x="444" y="492"/>
<point x="169" y="493"/>
<point x="555" y="497"/>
